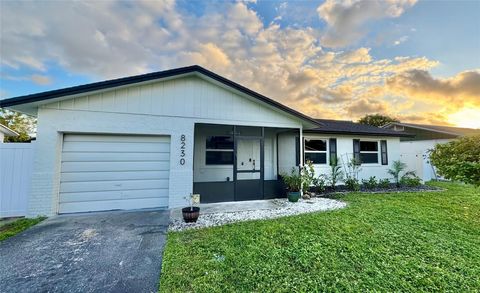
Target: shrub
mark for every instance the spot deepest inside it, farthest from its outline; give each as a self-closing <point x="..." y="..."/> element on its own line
<point x="371" y="183"/>
<point x="458" y="159"/>
<point x="307" y="176"/>
<point x="384" y="183"/>
<point x="352" y="184"/>
<point x="397" y="168"/>
<point x="293" y="181"/>
<point x="319" y="183"/>
<point x="410" y="181"/>
<point x="336" y="173"/>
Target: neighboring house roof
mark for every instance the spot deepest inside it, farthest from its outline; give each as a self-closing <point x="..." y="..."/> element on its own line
<point x="349" y="127"/>
<point x="7" y="131"/>
<point x="120" y="82"/>
<point x="456" y="131"/>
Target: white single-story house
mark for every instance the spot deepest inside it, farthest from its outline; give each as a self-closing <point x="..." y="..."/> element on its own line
<point x="151" y="140"/>
<point x="5" y="131"/>
<point x="414" y="149"/>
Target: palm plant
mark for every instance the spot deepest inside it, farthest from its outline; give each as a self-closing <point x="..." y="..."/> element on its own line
<point x="336" y="173"/>
<point x="397" y="167"/>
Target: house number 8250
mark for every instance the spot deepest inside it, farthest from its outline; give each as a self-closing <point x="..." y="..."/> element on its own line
<point x="182" y="149"/>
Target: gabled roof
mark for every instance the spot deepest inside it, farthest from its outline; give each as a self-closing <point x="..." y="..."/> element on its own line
<point x="349" y="127"/>
<point x="7" y="131"/>
<point x="125" y="81"/>
<point x="457" y="131"/>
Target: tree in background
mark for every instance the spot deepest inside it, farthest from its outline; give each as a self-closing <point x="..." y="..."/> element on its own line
<point x="23" y="124"/>
<point x="376" y="120"/>
<point x="459" y="159"/>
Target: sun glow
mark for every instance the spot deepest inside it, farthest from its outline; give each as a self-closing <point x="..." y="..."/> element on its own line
<point x="469" y="118"/>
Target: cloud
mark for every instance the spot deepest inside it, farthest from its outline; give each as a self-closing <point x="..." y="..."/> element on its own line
<point x="288" y="63"/>
<point x="366" y="106"/>
<point x="347" y="20"/>
<point x="41" y="79"/>
<point x="458" y="91"/>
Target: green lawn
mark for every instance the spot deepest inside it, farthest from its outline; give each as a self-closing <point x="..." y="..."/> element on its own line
<point x="427" y="241"/>
<point x="17" y="226"/>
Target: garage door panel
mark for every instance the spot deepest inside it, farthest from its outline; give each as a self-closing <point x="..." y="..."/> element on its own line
<point x="115" y="147"/>
<point x="114" y="138"/>
<point x="113" y="185"/>
<point x="112" y="157"/>
<point x="125" y="204"/>
<point x="115" y="175"/>
<point x="114" y="166"/>
<point x="113" y="195"/>
<point x="106" y="172"/>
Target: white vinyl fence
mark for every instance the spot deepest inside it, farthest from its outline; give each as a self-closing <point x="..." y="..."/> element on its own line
<point x="16" y="162"/>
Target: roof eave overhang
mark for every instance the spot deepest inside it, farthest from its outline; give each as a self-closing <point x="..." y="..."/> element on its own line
<point x="29" y="104"/>
<point x="358" y="133"/>
<point x="422" y="128"/>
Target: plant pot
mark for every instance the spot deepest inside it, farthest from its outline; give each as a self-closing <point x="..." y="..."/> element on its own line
<point x="293" y="196"/>
<point x="190" y="215"/>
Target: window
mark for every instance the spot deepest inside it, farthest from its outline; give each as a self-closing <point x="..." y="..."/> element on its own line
<point x="316" y="151"/>
<point x="219" y="150"/>
<point x="369" y="152"/>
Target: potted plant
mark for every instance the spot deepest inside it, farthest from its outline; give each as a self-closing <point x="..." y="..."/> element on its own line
<point x="293" y="181"/>
<point x="191" y="213"/>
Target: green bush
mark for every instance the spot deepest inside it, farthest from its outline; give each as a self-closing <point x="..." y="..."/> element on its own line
<point x="459" y="159"/>
<point x="308" y="175"/>
<point x="384" y="183"/>
<point x="371" y="183"/>
<point x="319" y="183"/>
<point x="410" y="181"/>
<point x="293" y="181"/>
<point x="352" y="184"/>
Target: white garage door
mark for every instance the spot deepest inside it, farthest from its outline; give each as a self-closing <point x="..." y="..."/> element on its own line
<point x="108" y="172"/>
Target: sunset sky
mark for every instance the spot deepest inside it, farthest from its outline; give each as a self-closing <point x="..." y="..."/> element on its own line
<point x="416" y="60"/>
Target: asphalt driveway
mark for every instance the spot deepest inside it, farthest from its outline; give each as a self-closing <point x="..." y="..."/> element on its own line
<point x="100" y="252"/>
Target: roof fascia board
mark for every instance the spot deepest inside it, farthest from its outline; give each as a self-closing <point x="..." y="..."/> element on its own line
<point x="422" y="128"/>
<point x="7" y="131"/>
<point x="358" y="133"/>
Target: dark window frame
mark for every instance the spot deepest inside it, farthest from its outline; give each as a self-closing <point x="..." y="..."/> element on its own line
<point x="218" y="151"/>
<point x="377" y="152"/>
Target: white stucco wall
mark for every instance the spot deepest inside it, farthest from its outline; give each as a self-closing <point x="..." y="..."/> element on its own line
<point x="415" y="155"/>
<point x="163" y="108"/>
<point x="345" y="152"/>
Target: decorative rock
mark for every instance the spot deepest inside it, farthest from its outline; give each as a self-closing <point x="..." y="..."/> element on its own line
<point x="283" y="208"/>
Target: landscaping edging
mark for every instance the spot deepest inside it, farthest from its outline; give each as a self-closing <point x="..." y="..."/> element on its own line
<point x="283" y="208"/>
<point x="343" y="190"/>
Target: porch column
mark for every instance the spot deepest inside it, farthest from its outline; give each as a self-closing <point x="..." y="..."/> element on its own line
<point x="300" y="147"/>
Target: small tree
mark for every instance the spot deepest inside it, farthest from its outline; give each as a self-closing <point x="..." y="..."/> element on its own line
<point x="458" y="159"/>
<point x="24" y="125"/>
<point x="397" y="168"/>
<point x="377" y="120"/>
<point x="308" y="176"/>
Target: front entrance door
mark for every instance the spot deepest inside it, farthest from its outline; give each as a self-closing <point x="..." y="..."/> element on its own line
<point x="248" y="173"/>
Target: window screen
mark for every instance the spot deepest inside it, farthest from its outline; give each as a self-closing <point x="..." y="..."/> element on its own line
<point x="219" y="150"/>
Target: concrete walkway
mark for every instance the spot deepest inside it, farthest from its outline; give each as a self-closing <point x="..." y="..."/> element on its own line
<point x="97" y="252"/>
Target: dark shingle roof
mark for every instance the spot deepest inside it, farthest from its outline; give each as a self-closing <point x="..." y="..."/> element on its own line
<point x="349" y="127"/>
<point x="460" y="131"/>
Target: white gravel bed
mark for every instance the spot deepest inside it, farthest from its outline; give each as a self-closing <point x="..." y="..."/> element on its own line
<point x="282" y="208"/>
